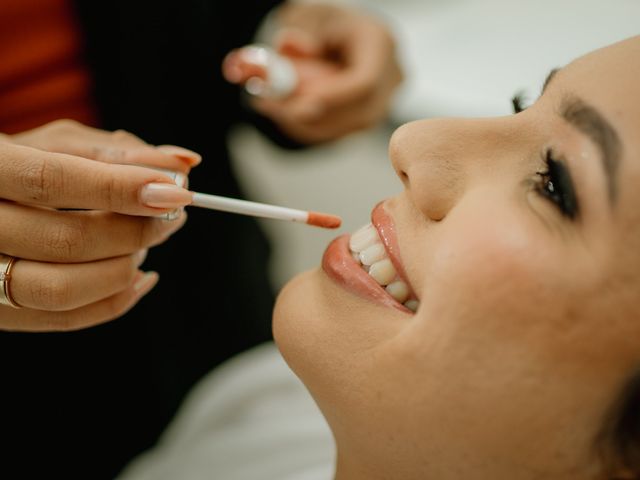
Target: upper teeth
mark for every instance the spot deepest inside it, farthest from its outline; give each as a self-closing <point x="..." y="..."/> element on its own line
<point x="372" y="254"/>
<point x="398" y="290"/>
<point x="363" y="238"/>
<point x="368" y="250"/>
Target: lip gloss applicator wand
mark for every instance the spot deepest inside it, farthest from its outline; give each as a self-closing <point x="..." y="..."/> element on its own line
<point x="233" y="205"/>
<point x="255" y="209"/>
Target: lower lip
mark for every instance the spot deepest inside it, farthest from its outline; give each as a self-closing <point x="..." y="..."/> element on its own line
<point x="340" y="266"/>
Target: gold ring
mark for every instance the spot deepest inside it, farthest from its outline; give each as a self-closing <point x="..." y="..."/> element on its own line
<point x="6" y="265"/>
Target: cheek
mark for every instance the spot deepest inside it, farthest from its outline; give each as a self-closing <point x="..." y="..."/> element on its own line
<point x="510" y="278"/>
<point x="494" y="333"/>
<point x="484" y="341"/>
<point x="487" y="266"/>
<point x="487" y="302"/>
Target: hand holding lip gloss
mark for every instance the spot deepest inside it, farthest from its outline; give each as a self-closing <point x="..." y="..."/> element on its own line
<point x="264" y="72"/>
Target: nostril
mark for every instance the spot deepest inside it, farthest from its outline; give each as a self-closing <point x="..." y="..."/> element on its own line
<point x="404" y="178"/>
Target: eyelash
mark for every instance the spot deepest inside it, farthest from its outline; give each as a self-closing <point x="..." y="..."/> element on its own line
<point x="555" y="184"/>
<point x="517" y="102"/>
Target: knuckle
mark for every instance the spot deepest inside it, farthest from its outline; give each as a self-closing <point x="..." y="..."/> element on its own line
<point x="61" y="128"/>
<point x="115" y="193"/>
<point x="65" y="125"/>
<point x="122" y="136"/>
<point x="51" y="292"/>
<point x="66" y="240"/>
<point x="42" y="179"/>
<point x="109" y="154"/>
<point x="61" y="132"/>
<point x="55" y="136"/>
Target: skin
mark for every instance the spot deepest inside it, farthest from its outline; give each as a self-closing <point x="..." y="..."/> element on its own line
<point x="527" y="327"/>
<point x="77" y="268"/>
<point x="95" y="276"/>
<point x="347" y="69"/>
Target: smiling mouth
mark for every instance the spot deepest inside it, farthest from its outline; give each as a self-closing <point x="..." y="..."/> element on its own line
<point x="367" y="263"/>
<point x="369" y="252"/>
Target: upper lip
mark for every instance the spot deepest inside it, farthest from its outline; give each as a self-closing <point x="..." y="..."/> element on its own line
<point x="340" y="265"/>
<point x="384" y="224"/>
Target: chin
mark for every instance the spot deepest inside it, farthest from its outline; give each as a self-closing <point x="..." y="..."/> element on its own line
<point x="291" y="313"/>
<point x="319" y="327"/>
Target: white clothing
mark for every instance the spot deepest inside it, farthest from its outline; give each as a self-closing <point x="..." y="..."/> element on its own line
<point x="249" y="419"/>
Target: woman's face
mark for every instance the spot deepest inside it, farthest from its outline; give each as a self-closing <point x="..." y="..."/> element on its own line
<point x="520" y="238"/>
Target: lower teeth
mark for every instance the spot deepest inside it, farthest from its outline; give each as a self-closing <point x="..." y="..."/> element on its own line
<point x="412" y="305"/>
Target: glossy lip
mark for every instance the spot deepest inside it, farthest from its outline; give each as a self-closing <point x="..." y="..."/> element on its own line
<point x="340" y="266"/>
<point x="383" y="222"/>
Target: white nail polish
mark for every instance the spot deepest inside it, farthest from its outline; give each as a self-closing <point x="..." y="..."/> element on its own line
<point x="141" y="256"/>
<point x="145" y="281"/>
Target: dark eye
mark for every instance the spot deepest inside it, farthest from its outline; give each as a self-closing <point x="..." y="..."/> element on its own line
<point x="556" y="185"/>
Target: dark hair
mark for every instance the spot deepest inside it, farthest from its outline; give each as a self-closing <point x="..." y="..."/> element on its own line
<point x="619" y="441"/>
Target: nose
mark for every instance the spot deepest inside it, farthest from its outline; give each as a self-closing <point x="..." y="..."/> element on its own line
<point x="438" y="160"/>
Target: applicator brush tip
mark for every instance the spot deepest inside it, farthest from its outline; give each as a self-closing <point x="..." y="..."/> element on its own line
<point x="323" y="220"/>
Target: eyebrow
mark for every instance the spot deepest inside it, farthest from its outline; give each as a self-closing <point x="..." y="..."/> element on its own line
<point x="548" y="79"/>
<point x="592" y="123"/>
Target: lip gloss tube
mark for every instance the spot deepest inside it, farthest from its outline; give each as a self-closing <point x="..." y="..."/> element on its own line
<point x="280" y="78"/>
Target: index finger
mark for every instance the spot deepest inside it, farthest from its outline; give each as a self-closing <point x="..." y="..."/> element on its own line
<point x="57" y="180"/>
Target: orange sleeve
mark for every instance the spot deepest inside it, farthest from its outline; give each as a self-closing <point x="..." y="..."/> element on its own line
<point x="42" y="74"/>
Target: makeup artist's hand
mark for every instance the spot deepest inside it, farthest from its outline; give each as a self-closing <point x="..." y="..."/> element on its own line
<point x="347" y="67"/>
<point x="79" y="229"/>
<point x="68" y="136"/>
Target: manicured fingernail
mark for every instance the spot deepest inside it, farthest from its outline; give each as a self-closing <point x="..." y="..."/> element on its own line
<point x="164" y="195"/>
<point x="189" y="156"/>
<point x="233" y="74"/>
<point x="141" y="256"/>
<point x="178" y="177"/>
<point x="172" y="215"/>
<point x="145" y="283"/>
